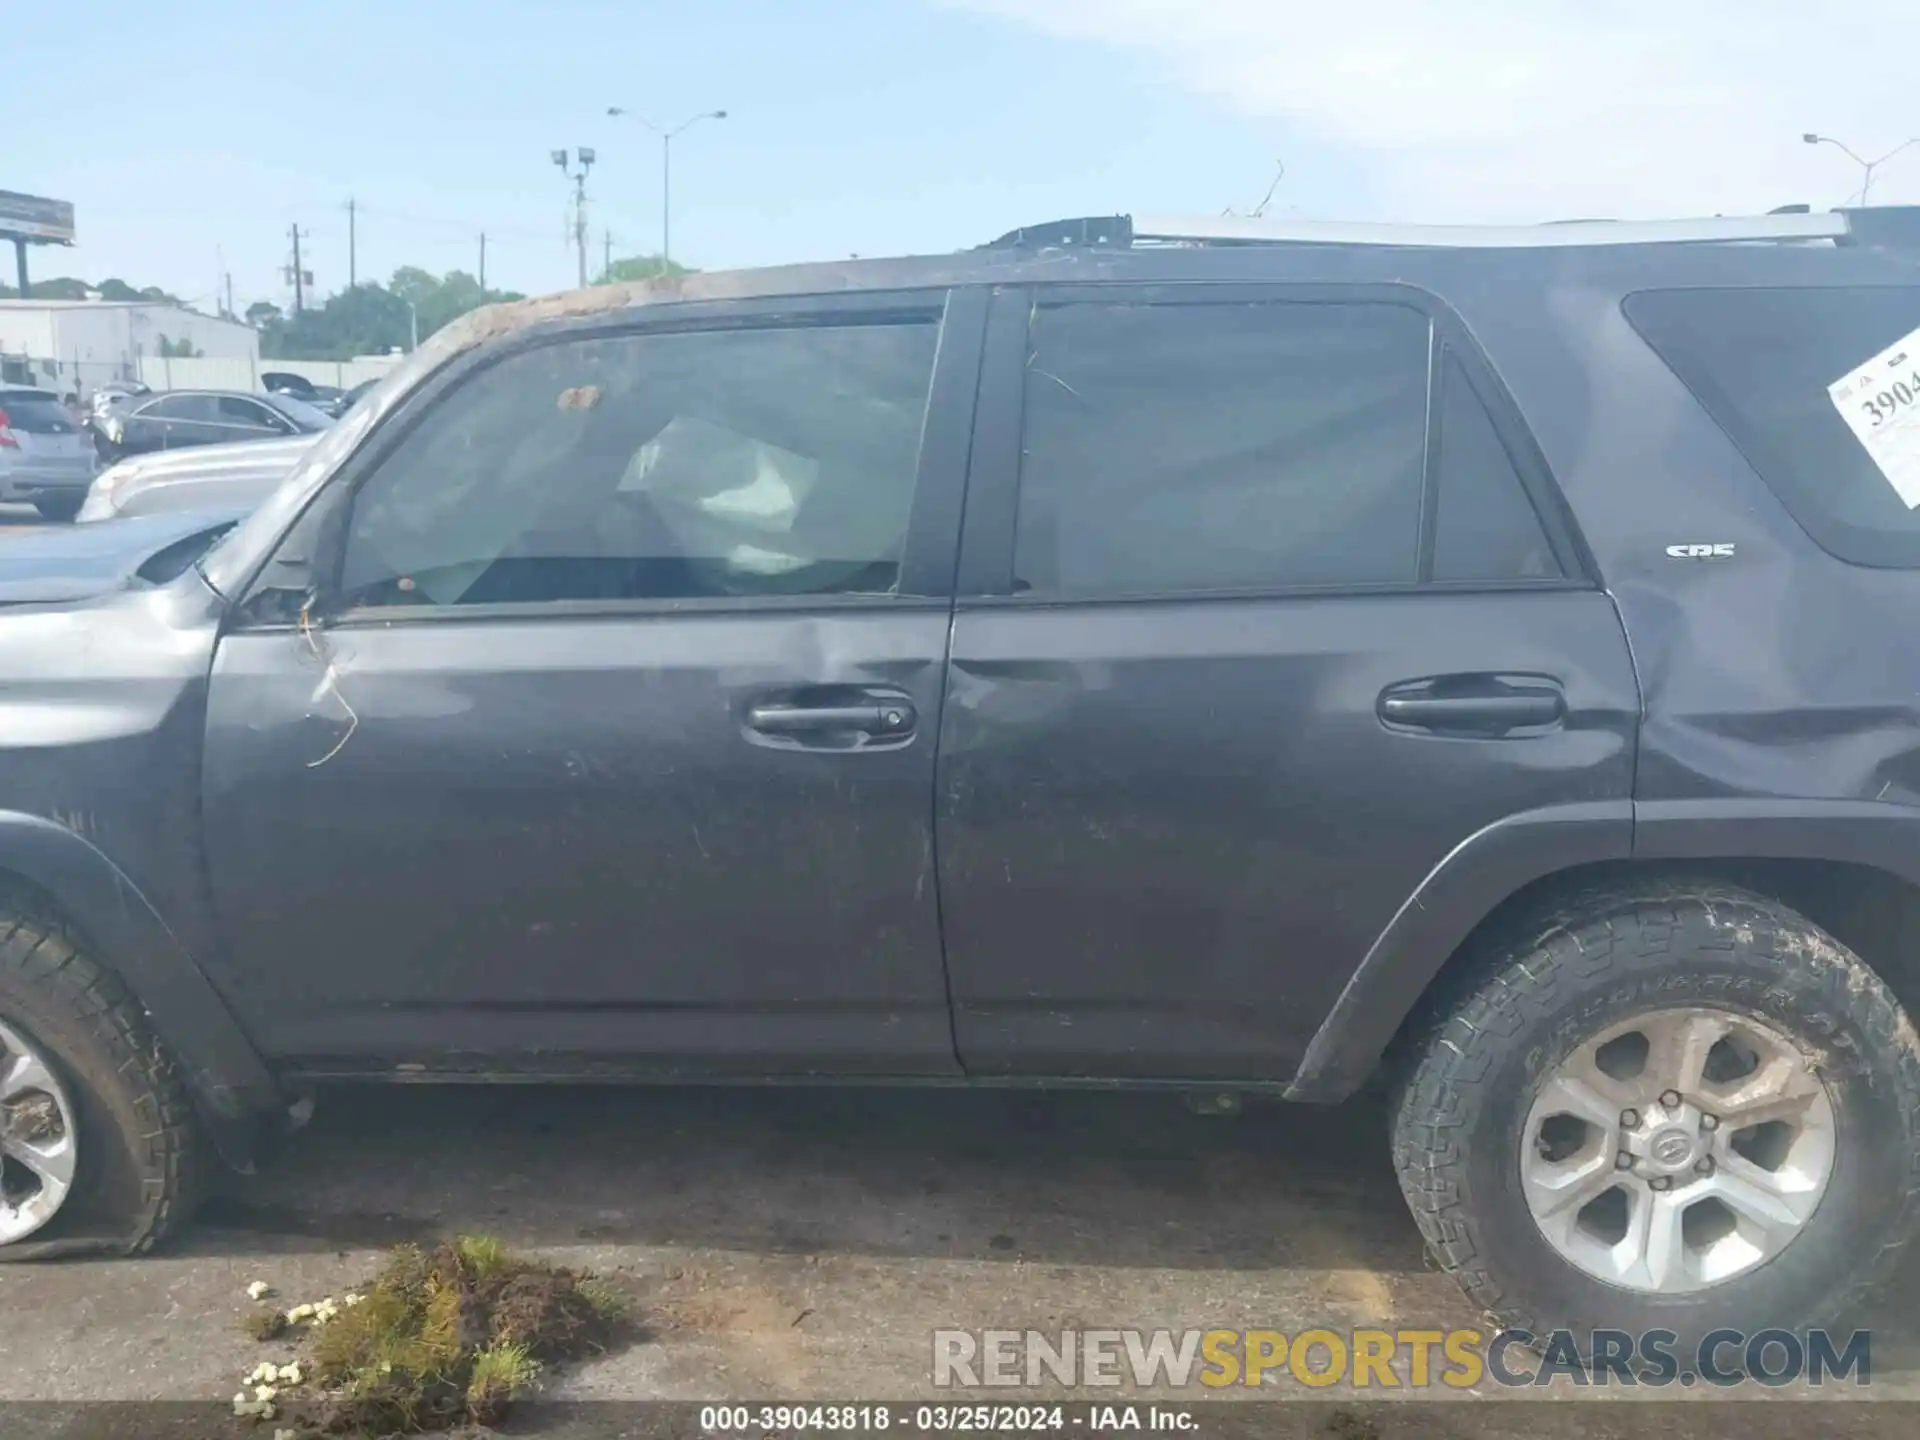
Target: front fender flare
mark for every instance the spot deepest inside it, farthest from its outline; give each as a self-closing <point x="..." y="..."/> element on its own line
<point x="1462" y="890"/>
<point x="123" y="931"/>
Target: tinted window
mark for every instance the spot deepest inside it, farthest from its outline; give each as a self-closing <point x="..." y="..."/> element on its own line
<point x="1486" y="527"/>
<point x="238" y="411"/>
<point x="33" y="412"/>
<point x="746" y="462"/>
<point x="1183" y="448"/>
<point x="178" y="407"/>
<point x="1761" y="361"/>
<point x="304" y="416"/>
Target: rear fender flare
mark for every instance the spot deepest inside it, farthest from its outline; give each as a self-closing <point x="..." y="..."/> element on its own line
<point x="1480" y="873"/>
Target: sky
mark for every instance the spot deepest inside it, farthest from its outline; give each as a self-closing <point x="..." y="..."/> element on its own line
<point x="191" y="137"/>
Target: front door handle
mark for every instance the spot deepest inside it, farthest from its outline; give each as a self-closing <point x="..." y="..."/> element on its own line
<point x="878" y="717"/>
<point x="1472" y="706"/>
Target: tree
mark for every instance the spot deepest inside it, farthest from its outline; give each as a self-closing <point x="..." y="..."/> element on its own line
<point x="640" y="267"/>
<point x="262" y="313"/>
<point x="181" y="349"/>
<point x="371" y="319"/>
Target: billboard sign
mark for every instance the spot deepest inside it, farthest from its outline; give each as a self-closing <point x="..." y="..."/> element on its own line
<point x="34" y="217"/>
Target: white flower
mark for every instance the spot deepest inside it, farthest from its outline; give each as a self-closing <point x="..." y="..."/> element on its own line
<point x="286" y="1435"/>
<point x="263" y="1372"/>
<point x="264" y="1393"/>
<point x="239" y="1400"/>
<point x="299" y="1313"/>
<point x="351" y="1299"/>
<point x="259" y="1290"/>
<point x="290" y="1374"/>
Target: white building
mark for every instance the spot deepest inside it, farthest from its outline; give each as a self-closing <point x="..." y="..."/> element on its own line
<point x="80" y="344"/>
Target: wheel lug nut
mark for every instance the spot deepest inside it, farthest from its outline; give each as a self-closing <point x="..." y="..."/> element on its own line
<point x="1629" y="1119"/>
<point x="1703" y="1166"/>
<point x="1670" y="1100"/>
<point x="1661" y="1182"/>
<point x="1623" y="1161"/>
<point x="1709" y="1122"/>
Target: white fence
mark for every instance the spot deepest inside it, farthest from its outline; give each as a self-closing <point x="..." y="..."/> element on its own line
<point x="165" y="372"/>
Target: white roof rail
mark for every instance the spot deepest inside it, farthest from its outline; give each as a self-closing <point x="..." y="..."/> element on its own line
<point x="1236" y="230"/>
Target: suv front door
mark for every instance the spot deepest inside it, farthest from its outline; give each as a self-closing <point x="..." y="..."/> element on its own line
<point x="1244" y="648"/>
<point x="612" y="737"/>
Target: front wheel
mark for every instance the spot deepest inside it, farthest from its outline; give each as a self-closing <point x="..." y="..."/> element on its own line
<point x="98" y="1141"/>
<point x="1682" y="1108"/>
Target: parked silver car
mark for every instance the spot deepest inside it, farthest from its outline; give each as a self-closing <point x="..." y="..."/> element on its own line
<point x="205" y="475"/>
<point x="45" y="458"/>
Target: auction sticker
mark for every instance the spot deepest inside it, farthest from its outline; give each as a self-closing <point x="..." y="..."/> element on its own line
<point x="1880" y="401"/>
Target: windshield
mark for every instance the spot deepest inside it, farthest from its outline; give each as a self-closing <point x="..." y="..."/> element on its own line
<point x="300" y="412"/>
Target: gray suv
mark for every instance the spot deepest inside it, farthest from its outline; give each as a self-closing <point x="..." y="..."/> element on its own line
<point x="46" y="458"/>
<point x="1291" y="660"/>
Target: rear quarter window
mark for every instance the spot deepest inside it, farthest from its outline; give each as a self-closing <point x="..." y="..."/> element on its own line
<point x="1760" y="361"/>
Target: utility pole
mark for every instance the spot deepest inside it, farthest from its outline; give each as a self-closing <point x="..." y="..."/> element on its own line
<point x="353" y="270"/>
<point x="299" y="275"/>
<point x="606" y="269"/>
<point x="483" y="262"/>
<point x="228" y="277"/>
<point x="585" y="156"/>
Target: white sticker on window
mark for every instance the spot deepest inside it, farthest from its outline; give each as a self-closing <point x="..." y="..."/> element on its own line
<point x="1880" y="401"/>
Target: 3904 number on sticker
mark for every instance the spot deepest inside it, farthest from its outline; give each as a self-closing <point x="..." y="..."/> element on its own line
<point x="1880" y="401"/>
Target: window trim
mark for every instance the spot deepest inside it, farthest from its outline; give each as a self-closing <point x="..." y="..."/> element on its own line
<point x="315" y="542"/>
<point x="987" y="535"/>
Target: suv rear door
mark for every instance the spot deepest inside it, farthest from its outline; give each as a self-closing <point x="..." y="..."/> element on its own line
<point x="614" y="736"/>
<point x="1244" y="647"/>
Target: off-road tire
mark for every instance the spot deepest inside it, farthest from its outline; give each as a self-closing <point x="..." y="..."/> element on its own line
<point x="138" y="1174"/>
<point x="1538" y="987"/>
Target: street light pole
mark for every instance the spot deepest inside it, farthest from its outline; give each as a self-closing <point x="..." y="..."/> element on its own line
<point x="666" y="170"/>
<point x="1867" y="167"/>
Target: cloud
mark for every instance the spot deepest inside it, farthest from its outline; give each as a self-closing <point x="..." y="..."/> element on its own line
<point x="1542" y="109"/>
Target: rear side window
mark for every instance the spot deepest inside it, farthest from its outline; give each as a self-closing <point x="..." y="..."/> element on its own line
<point x="1486" y="527"/>
<point x="1192" y="447"/>
<point x="1196" y="447"/>
<point x="1760" y="361"/>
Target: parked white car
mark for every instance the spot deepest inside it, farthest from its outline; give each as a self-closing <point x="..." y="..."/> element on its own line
<point x="206" y="475"/>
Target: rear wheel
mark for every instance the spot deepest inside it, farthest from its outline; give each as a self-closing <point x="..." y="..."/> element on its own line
<point x="1683" y="1109"/>
<point x="98" y="1145"/>
<point x="59" y="507"/>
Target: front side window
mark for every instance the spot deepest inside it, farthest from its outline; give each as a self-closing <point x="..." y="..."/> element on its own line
<point x="1187" y="448"/>
<point x="179" y="407"/>
<point x="775" y="461"/>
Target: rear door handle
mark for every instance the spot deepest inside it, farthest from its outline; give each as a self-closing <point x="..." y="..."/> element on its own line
<point x="880" y="717"/>
<point x="1495" y="711"/>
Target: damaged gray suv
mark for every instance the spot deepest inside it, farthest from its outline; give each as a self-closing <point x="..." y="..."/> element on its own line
<point x="1263" y="658"/>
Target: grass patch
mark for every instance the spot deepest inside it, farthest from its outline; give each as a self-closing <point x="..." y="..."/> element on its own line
<point x="268" y="1322"/>
<point x="449" y="1337"/>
